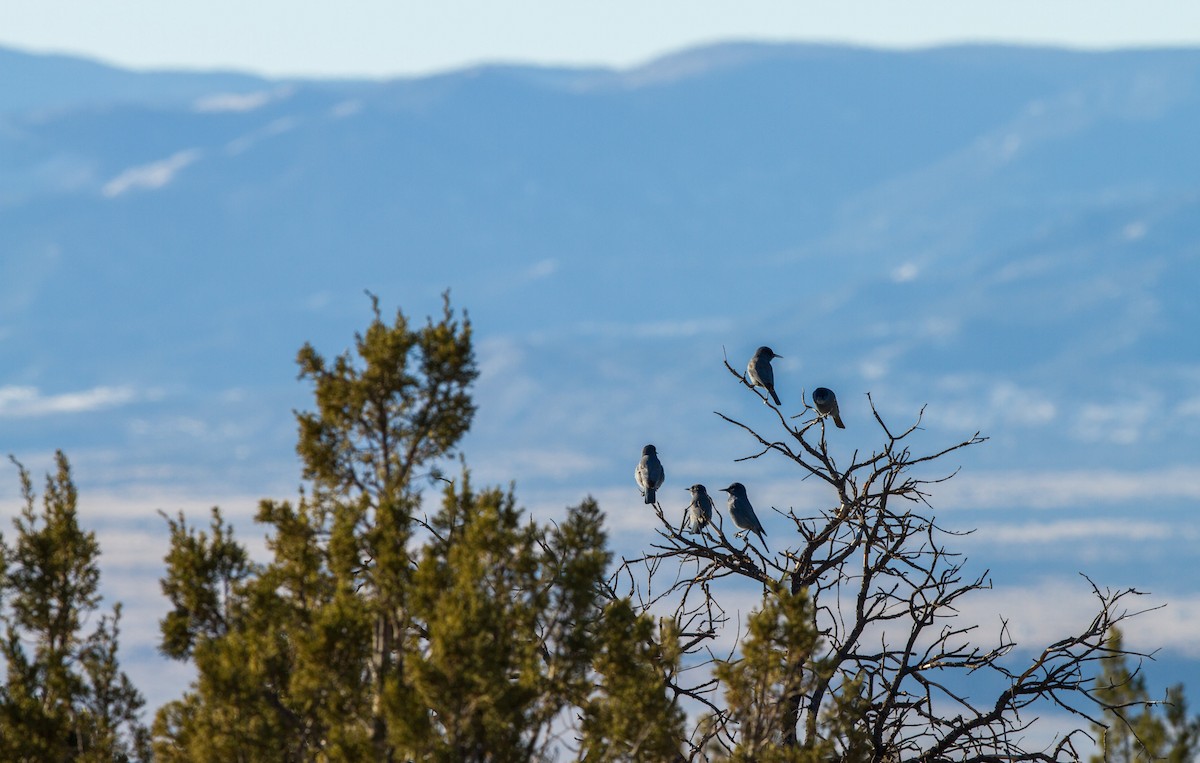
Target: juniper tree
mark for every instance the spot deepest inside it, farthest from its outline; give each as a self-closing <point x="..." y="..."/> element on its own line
<point x="307" y="643"/>
<point x="64" y="697"/>
<point x="376" y="632"/>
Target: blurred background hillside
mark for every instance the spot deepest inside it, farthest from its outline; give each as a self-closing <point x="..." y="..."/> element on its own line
<point x="1009" y="236"/>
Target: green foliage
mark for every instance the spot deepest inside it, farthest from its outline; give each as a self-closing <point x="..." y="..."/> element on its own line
<point x="202" y="569"/>
<point x="506" y="615"/>
<point x="764" y="684"/>
<point x="69" y="699"/>
<point x="1136" y="727"/>
<point x="374" y="633"/>
<point x="402" y="404"/>
<point x="279" y="649"/>
<point x="631" y="717"/>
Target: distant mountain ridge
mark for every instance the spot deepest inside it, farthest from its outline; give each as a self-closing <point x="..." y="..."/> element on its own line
<point x="1008" y="235"/>
<point x="864" y="169"/>
<point x="36" y="82"/>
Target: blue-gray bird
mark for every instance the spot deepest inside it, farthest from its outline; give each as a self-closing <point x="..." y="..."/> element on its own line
<point x="760" y="372"/>
<point x="742" y="512"/>
<point x="826" y="404"/>
<point x="699" y="511"/>
<point x="649" y="473"/>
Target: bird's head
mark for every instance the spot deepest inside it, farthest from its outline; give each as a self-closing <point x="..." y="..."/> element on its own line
<point x="766" y="352"/>
<point x="649" y="451"/>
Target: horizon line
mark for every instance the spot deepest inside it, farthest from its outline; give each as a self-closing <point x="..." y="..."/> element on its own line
<point x="551" y="64"/>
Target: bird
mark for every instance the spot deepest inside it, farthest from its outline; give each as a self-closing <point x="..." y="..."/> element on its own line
<point x="826" y="404"/>
<point x="742" y="512"/>
<point x="699" y="511"/>
<point x="649" y="473"/>
<point x="760" y="373"/>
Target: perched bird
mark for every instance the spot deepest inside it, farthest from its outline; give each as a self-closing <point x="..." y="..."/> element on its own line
<point x="760" y="373"/>
<point x="742" y="512"/>
<point x="826" y="404"/>
<point x="699" y="511"/>
<point x="649" y="473"/>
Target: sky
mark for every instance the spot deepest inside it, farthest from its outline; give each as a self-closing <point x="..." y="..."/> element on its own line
<point x="381" y="38"/>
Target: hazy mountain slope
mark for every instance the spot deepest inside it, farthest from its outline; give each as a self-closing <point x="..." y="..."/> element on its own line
<point x="986" y="207"/>
<point x="58" y="82"/>
<point x="1011" y="236"/>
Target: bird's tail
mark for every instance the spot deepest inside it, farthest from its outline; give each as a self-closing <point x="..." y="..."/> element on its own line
<point x="774" y="396"/>
<point x="763" y="537"/>
<point x="838" y="420"/>
<point x="650" y="496"/>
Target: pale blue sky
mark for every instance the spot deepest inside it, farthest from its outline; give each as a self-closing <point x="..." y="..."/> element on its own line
<point x="393" y="37"/>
